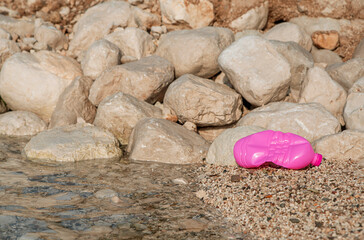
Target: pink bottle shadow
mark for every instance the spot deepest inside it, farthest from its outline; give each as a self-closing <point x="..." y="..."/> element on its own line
<point x="287" y="150"/>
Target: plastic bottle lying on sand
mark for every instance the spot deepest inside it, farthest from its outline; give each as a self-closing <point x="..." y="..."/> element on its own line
<point x="284" y="149"/>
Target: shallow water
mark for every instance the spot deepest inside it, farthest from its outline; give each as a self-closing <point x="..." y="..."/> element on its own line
<point x="61" y="201"/>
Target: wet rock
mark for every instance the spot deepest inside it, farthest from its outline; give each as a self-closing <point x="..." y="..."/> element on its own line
<point x="343" y="146"/>
<point x="5" y="34"/>
<point x="48" y="35"/>
<point x="105" y="193"/>
<point x="300" y="61"/>
<point x="133" y="42"/>
<point x="99" y="20"/>
<point x="21" y="28"/>
<point x="34" y="82"/>
<point x="309" y="120"/>
<point x="210" y="133"/>
<point x="194" y="13"/>
<point x="181" y="48"/>
<point x="100" y="56"/>
<point x="255" y="18"/>
<point x="318" y="87"/>
<point x="7" y="49"/>
<point x="203" y="102"/>
<point x="150" y="78"/>
<point x="347" y="73"/>
<point x="256" y="70"/>
<point x="354" y="108"/>
<point x="73" y="103"/>
<point x="325" y="56"/>
<point x="21" y="123"/>
<point x="120" y="112"/>
<point x="359" y="50"/>
<point x="221" y="149"/>
<point x="326" y="39"/>
<point x="73" y="143"/>
<point x="160" y="140"/>
<point x="288" y="31"/>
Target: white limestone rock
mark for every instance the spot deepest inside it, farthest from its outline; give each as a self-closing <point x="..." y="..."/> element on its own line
<point x="21" y="123"/>
<point x="73" y="143"/>
<point x="195" y="51"/>
<point x="255" y="18"/>
<point x="309" y="120"/>
<point x="325" y="56"/>
<point x="354" y="108"/>
<point x="21" y="28"/>
<point x="160" y="140"/>
<point x="7" y="49"/>
<point x="256" y="70"/>
<point x="34" y="82"/>
<point x="203" y="102"/>
<point x="359" y="50"/>
<point x="120" y="112"/>
<point x="48" y="35"/>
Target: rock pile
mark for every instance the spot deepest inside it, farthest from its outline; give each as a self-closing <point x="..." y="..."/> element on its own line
<point x="168" y="85"/>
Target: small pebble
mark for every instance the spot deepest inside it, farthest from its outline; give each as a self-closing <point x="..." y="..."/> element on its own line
<point x="180" y="181"/>
<point x="235" y="178"/>
<point x="105" y="193"/>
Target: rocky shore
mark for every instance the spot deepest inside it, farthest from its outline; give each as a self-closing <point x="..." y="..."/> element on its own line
<point x="179" y="82"/>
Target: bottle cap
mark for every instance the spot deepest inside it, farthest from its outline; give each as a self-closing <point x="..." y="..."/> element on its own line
<point x="316" y="161"/>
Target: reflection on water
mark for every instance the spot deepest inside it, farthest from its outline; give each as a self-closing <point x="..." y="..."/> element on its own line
<point x="100" y="200"/>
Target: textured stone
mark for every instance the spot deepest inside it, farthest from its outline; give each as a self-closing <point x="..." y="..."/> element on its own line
<point x="354" y="108"/>
<point x="34" y="82"/>
<point x="5" y="34"/>
<point x="347" y="73"/>
<point x="50" y="36"/>
<point x="203" y="101"/>
<point x="300" y="61"/>
<point x="256" y="70"/>
<point x="309" y="120"/>
<point x="326" y="39"/>
<point x="21" y="123"/>
<point x="160" y="140"/>
<point x="99" y="20"/>
<point x="288" y="31"/>
<point x="255" y="18"/>
<point x="21" y="28"/>
<point x="210" y="133"/>
<point x="7" y="49"/>
<point x="120" y="112"/>
<point x="73" y="143"/>
<point x="313" y="24"/>
<point x="100" y="56"/>
<point x="146" y="79"/>
<point x="318" y="87"/>
<point x="359" y="50"/>
<point x="325" y="56"/>
<point x="133" y="42"/>
<point x="194" y="13"/>
<point x="195" y="51"/>
<point x="73" y="103"/>
<point x="221" y="149"/>
<point x="343" y="146"/>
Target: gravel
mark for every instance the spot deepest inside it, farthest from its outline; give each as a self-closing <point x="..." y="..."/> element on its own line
<point x="275" y="203"/>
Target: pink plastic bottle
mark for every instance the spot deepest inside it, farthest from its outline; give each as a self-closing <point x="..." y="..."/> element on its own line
<point x="284" y="149"/>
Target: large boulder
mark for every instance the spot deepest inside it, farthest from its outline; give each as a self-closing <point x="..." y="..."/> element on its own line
<point x="347" y="73"/>
<point x="21" y="28"/>
<point x="48" y="35"/>
<point x="195" y="13"/>
<point x="255" y="18"/>
<point x="7" y="49"/>
<point x="120" y="112"/>
<point x="221" y="149"/>
<point x="354" y="108"/>
<point x="146" y="79"/>
<point x="195" y="51"/>
<point x="309" y="120"/>
<point x="318" y="87"/>
<point x="21" y="123"/>
<point x="160" y="140"/>
<point x="300" y="61"/>
<point x="203" y="102"/>
<point x="325" y="56"/>
<point x="133" y="42"/>
<point x="34" y="82"/>
<point x="290" y="32"/>
<point x="347" y="145"/>
<point x="73" y="103"/>
<point x="101" y="55"/>
<point x="73" y="143"/>
<point x="256" y="70"/>
<point x="99" y="20"/>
